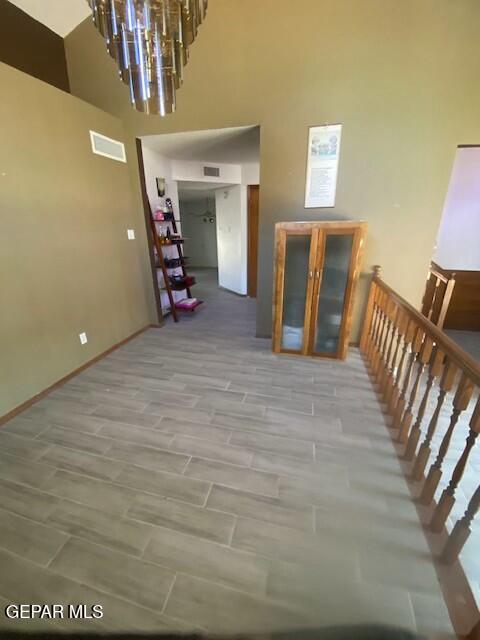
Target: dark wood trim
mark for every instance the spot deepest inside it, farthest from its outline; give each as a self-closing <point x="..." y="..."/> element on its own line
<point x="475" y="633"/>
<point x="440" y="273"/>
<point x="148" y="224"/>
<point x="468" y="146"/>
<point x="253" y="239"/>
<point x="463" y="312"/>
<point x="28" y="403"/>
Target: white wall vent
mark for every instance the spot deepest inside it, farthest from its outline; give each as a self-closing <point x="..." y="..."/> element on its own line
<point x="211" y="172"/>
<point x="103" y="146"/>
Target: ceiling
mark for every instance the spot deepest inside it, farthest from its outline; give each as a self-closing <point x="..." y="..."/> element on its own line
<point x="231" y="146"/>
<point x="61" y="16"/>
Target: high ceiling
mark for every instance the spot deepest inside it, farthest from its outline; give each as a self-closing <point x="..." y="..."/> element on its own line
<point x="231" y="146"/>
<point x="61" y="16"/>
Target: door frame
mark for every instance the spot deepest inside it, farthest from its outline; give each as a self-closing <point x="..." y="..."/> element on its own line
<point x="148" y="225"/>
<point x="253" y="228"/>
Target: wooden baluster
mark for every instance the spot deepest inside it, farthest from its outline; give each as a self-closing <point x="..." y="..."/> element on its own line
<point x="370" y="348"/>
<point x="429" y="295"/>
<point x="460" y="403"/>
<point x="381" y="335"/>
<point x="438" y="301"/>
<point x="399" y="332"/>
<point x="368" y="323"/>
<point x="402" y="401"/>
<point x="393" y="333"/>
<point x="376" y="326"/>
<point x="446" y="385"/>
<point x="461" y="531"/>
<point x="369" y="320"/>
<point x="408" y="336"/>
<point x="421" y="359"/>
<point x="434" y="371"/>
<point x="384" y="340"/>
<point x="447" y="296"/>
<point x="447" y="500"/>
<point x="383" y="355"/>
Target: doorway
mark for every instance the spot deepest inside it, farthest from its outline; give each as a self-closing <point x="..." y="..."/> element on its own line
<point x="253" y="230"/>
<point x="211" y="179"/>
<point x="199" y="223"/>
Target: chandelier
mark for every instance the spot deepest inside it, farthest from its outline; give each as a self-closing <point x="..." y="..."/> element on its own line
<point x="149" y="40"/>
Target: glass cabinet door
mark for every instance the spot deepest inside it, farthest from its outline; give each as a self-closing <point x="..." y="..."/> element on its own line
<point x="332" y="274"/>
<point x="300" y="256"/>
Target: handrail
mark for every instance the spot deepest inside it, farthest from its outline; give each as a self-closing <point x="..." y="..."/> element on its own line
<point x="437" y="272"/>
<point x="475" y="633"/>
<point x="460" y="357"/>
<point x="431" y="389"/>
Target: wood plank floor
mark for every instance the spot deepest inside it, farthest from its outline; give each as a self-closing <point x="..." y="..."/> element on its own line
<point x="194" y="480"/>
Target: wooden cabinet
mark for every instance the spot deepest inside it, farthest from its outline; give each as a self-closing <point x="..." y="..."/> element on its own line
<point x="463" y="311"/>
<point x="316" y="270"/>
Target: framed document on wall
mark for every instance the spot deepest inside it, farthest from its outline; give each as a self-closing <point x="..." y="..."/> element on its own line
<point x="322" y="165"/>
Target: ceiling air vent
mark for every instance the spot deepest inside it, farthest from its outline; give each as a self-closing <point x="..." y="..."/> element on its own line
<point x="103" y="146"/>
<point x="211" y="172"/>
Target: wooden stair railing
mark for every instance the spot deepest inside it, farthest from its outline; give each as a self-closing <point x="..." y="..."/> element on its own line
<point x="475" y="633"/>
<point x="438" y="294"/>
<point x="423" y="377"/>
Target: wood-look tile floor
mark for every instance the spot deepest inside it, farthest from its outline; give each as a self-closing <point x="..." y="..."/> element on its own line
<point x="194" y="480"/>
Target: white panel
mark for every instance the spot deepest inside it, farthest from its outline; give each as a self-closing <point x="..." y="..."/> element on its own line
<point x="231" y="207"/>
<point x="458" y="241"/>
<point x="251" y="173"/>
<point x="103" y="146"/>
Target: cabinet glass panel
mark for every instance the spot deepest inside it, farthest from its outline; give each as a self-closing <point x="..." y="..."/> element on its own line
<point x="297" y="257"/>
<point x="338" y="251"/>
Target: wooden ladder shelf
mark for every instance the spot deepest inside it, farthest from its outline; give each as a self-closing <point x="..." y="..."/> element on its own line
<point x="172" y="240"/>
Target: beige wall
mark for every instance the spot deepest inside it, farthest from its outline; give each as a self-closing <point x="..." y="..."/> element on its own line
<point x="402" y="77"/>
<point x="66" y="265"/>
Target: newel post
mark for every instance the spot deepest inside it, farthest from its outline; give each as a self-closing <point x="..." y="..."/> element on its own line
<point x="369" y="311"/>
<point x="475" y="633"/>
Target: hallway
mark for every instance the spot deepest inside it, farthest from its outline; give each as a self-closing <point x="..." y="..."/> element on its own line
<point x="194" y="480"/>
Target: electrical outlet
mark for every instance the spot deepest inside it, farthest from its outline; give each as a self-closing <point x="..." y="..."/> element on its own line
<point x="83" y="338"/>
<point x="131" y="234"/>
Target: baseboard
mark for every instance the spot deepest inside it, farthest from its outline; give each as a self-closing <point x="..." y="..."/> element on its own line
<point x="239" y="295"/>
<point x="28" y="403"/>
